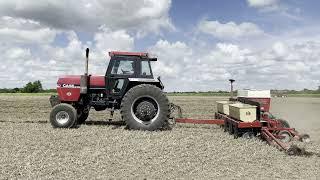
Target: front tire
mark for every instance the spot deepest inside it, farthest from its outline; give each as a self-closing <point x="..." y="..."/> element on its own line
<point x="63" y="116"/>
<point x="145" y="107"/>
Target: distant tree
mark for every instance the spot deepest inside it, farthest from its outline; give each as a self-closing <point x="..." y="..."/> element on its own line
<point x="15" y="90"/>
<point x="38" y="86"/>
<point x="4" y="90"/>
<point x="28" y="88"/>
<point x="32" y="87"/>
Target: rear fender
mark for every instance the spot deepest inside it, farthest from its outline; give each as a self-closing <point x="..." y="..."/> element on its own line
<point x="137" y="81"/>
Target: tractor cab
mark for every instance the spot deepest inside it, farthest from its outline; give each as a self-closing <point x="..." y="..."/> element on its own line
<point x="127" y="69"/>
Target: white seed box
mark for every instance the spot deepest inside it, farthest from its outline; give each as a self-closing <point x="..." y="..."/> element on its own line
<point x="243" y="112"/>
<point x="223" y="106"/>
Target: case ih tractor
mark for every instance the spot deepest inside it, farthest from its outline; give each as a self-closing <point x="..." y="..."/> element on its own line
<point x="128" y="86"/>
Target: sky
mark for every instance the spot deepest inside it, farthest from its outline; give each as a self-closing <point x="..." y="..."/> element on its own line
<point x="262" y="44"/>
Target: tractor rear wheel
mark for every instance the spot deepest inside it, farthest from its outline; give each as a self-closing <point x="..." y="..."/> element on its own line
<point x="63" y="116"/>
<point x="145" y="107"/>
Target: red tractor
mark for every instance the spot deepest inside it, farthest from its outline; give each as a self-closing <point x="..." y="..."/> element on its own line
<point x="128" y="86"/>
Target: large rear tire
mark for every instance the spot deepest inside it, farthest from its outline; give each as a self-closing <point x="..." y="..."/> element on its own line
<point x="145" y="107"/>
<point x="63" y="116"/>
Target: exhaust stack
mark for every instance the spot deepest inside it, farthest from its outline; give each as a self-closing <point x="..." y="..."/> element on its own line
<point x="87" y="62"/>
<point x="231" y="87"/>
<point x="84" y="78"/>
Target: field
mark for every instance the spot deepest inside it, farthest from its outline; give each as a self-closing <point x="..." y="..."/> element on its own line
<point x="31" y="149"/>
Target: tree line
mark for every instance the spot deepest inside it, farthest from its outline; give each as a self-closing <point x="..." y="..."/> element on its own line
<point x="36" y="87"/>
<point x="304" y="91"/>
<point x="30" y="87"/>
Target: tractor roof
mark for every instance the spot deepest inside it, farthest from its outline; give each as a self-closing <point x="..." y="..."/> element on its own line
<point x="139" y="54"/>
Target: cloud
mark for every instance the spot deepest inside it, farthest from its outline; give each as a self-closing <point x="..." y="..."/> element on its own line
<point x="107" y="40"/>
<point x="28" y="32"/>
<point x="140" y="16"/>
<point x="29" y="52"/>
<point x="48" y="61"/>
<point x="173" y="57"/>
<point x="183" y="69"/>
<point x="280" y="65"/>
<point x="277" y="9"/>
<point x="15" y="63"/>
<point x="267" y="5"/>
<point x="280" y="49"/>
<point x="23" y="31"/>
<point x="262" y="3"/>
<point x="229" y="30"/>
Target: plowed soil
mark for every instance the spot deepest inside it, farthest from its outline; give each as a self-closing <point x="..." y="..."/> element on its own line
<point x="31" y="149"/>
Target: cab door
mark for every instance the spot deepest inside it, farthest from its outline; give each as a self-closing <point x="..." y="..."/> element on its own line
<point x="120" y="69"/>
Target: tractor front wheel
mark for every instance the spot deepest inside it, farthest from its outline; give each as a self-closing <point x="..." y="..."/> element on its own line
<point x="145" y="107"/>
<point x="63" y="116"/>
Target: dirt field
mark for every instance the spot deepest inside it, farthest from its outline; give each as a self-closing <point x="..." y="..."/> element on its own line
<point x="31" y="149"/>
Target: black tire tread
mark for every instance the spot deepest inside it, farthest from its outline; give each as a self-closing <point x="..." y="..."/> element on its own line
<point x="158" y="94"/>
<point x="66" y="107"/>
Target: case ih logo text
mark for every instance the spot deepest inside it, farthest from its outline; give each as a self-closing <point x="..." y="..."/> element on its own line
<point x="68" y="86"/>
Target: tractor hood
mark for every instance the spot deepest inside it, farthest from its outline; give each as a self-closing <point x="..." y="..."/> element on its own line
<point x="68" y="81"/>
<point x="73" y="81"/>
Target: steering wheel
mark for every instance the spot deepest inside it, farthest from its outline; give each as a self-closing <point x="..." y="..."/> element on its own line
<point x="125" y="72"/>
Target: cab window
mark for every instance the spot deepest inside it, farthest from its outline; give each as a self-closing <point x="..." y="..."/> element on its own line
<point x="145" y="68"/>
<point x="123" y="67"/>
